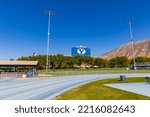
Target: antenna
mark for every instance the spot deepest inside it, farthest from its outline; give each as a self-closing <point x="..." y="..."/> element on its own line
<point x="48" y="38"/>
<point x="132" y="43"/>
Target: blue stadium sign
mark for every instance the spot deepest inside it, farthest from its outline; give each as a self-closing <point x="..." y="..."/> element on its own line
<point x="80" y="50"/>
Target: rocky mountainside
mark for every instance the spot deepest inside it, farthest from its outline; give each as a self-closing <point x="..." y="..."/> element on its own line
<point x="142" y="48"/>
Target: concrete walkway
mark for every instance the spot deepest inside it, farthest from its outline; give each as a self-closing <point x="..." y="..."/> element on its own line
<point x="139" y="88"/>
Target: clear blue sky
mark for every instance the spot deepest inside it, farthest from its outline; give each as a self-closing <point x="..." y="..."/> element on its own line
<point x="99" y="24"/>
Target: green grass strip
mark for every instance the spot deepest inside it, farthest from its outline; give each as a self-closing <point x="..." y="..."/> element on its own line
<point x="97" y="91"/>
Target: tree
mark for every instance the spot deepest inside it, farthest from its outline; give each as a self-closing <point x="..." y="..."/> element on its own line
<point x="70" y="62"/>
<point x="79" y="60"/>
<point x="89" y="61"/>
<point x="142" y="59"/>
<point x="101" y="62"/>
<point x="53" y="62"/>
<point x="67" y="62"/>
<point x="60" y="60"/>
<point x="121" y="61"/>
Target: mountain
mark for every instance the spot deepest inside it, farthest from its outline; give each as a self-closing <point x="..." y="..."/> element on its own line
<point x="142" y="48"/>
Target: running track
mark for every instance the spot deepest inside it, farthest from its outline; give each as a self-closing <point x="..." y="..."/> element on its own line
<point x="48" y="88"/>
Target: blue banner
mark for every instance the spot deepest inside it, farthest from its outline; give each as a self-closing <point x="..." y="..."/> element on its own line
<point x="83" y="51"/>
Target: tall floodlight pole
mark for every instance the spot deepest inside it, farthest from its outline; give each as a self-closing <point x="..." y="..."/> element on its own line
<point x="132" y="43"/>
<point x="48" y="38"/>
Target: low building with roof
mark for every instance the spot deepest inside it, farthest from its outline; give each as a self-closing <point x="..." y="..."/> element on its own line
<point x="5" y="64"/>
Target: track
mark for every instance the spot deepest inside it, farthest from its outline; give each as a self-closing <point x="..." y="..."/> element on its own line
<point x="48" y="88"/>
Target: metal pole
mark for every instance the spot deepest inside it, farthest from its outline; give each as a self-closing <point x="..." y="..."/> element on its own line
<point x="132" y="44"/>
<point x="48" y="40"/>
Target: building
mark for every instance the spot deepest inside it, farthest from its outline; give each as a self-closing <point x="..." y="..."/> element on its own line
<point x="141" y="65"/>
<point x="15" y="65"/>
<point x="80" y="50"/>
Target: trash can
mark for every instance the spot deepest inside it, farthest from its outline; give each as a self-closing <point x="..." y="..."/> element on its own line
<point x="29" y="74"/>
<point x="147" y="79"/>
<point x="122" y="78"/>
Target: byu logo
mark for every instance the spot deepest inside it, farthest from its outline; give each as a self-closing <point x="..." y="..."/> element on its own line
<point x="81" y="51"/>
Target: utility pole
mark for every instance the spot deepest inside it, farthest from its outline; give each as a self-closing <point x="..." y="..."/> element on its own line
<point x="132" y="44"/>
<point x="48" y="38"/>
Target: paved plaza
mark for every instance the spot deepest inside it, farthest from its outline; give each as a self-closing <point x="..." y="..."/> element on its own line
<point x="139" y="88"/>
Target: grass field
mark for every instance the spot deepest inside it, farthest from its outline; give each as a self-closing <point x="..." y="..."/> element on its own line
<point x="70" y="72"/>
<point x="97" y="91"/>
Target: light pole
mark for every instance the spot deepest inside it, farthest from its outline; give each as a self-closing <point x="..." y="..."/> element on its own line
<point x="132" y="43"/>
<point x="48" y="38"/>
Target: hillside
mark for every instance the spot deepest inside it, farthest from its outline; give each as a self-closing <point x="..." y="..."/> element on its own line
<point x="142" y="48"/>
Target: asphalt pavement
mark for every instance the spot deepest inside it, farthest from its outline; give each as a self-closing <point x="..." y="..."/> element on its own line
<point x="48" y="88"/>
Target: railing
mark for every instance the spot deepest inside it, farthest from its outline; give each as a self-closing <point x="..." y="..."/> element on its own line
<point x="10" y="75"/>
<point x="13" y="75"/>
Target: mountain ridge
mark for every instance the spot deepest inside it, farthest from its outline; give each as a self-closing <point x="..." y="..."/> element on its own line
<point x="142" y="49"/>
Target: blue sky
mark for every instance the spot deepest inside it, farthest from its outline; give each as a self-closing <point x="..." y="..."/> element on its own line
<point x="99" y="24"/>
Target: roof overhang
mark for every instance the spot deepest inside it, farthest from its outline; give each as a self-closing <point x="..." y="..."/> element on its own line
<point x="17" y="63"/>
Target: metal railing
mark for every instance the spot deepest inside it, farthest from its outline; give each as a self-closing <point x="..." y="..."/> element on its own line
<point x="14" y="75"/>
<point x="10" y="75"/>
